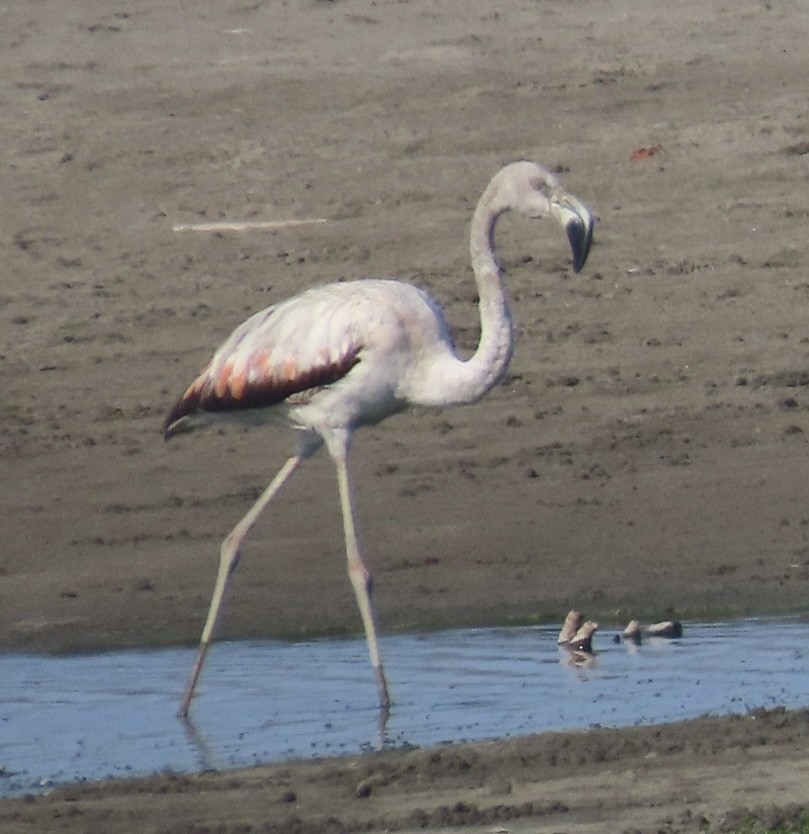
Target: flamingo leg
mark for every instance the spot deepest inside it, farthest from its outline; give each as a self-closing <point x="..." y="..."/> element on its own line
<point x="228" y="560"/>
<point x="362" y="582"/>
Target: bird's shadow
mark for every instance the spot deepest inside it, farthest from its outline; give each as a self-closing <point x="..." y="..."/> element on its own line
<point x="210" y="761"/>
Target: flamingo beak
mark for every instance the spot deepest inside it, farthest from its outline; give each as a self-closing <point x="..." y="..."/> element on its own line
<point x="578" y="224"/>
<point x="579" y="228"/>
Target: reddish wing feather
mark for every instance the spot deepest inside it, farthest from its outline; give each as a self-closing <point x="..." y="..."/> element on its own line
<point x="226" y="392"/>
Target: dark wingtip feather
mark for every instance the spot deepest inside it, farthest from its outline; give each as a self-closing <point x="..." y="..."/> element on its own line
<point x="170" y="422"/>
<point x="176" y="418"/>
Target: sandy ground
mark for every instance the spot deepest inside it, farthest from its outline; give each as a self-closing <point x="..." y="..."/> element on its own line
<point x="645" y="456"/>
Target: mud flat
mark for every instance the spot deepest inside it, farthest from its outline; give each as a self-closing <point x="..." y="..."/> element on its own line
<point x="644" y="458"/>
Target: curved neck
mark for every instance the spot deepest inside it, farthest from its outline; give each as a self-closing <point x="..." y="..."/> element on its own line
<point x="485" y="368"/>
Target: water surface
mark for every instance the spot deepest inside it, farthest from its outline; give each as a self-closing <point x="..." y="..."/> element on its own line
<point x="64" y="719"/>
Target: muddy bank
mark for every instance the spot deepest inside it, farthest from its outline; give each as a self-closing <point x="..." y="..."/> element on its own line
<point x="710" y="774"/>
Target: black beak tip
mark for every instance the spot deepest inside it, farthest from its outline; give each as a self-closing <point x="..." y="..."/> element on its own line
<point x="580" y="235"/>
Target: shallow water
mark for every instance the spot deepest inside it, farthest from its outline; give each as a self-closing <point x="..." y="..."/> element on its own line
<point x="64" y="719"/>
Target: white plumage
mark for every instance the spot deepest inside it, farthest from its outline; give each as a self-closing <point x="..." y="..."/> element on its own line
<point x="341" y="356"/>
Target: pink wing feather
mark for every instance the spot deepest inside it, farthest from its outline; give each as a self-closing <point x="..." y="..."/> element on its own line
<point x="281" y="351"/>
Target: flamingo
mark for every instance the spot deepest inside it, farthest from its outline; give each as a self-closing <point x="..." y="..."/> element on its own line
<point x="345" y="355"/>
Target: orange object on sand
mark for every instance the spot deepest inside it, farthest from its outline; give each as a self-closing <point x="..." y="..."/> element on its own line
<point x="645" y="153"/>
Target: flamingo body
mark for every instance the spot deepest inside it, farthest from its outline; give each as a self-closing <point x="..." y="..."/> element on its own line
<point x="336" y="356"/>
<point x="344" y="355"/>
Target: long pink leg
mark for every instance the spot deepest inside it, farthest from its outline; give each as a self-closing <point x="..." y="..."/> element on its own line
<point x="361" y="580"/>
<point x="228" y="560"/>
